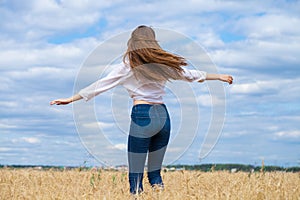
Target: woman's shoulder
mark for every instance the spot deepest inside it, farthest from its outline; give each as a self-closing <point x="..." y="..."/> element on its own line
<point x="120" y="69"/>
<point x="124" y="67"/>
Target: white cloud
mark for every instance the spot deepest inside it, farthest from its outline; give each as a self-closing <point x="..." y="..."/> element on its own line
<point x="288" y="134"/>
<point x="246" y="88"/>
<point x="23" y="56"/>
<point x="253" y="55"/>
<point x="5" y="149"/>
<point x="175" y="149"/>
<point x="97" y="125"/>
<point x="38" y="72"/>
<point x="269" y="26"/>
<point x="280" y="89"/>
<point x="210" y="39"/>
<point x="7" y="126"/>
<point x="37" y="19"/>
<point x="205" y="100"/>
<point x="30" y="140"/>
<point x="121" y="146"/>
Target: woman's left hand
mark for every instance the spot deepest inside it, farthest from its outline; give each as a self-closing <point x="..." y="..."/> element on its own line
<point x="226" y="78"/>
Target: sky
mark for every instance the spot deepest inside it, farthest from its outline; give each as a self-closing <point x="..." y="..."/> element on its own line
<point x="48" y="51"/>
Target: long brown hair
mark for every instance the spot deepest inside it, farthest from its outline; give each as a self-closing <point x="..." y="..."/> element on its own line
<point x="148" y="59"/>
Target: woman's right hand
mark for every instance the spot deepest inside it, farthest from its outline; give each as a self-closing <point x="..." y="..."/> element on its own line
<point x="61" y="101"/>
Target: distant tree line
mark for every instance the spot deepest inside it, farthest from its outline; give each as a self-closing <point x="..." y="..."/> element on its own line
<point x="237" y="167"/>
<point x="44" y="167"/>
<point x="202" y="167"/>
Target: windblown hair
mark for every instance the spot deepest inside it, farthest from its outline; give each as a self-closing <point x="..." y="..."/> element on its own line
<point x="148" y="59"/>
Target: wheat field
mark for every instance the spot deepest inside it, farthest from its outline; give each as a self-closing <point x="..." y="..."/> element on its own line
<point x="101" y="184"/>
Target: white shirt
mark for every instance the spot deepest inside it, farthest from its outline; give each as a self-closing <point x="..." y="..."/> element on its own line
<point x="141" y="89"/>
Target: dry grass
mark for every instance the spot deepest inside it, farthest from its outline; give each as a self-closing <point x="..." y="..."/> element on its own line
<point x="97" y="184"/>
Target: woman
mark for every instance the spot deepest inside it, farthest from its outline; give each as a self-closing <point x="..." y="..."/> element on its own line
<point x="145" y="69"/>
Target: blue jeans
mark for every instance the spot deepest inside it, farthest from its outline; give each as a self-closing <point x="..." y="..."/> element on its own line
<point x="149" y="134"/>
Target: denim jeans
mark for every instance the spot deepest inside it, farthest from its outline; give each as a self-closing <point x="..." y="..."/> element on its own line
<point x="149" y="135"/>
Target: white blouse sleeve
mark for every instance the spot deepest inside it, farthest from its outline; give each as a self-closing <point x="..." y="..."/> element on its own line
<point x="194" y="75"/>
<point x="114" y="78"/>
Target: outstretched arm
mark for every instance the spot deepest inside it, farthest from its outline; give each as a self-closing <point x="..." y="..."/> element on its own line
<point x="65" y="101"/>
<point x="220" y="77"/>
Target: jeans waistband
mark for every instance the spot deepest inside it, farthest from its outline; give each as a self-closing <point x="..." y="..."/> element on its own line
<point x="147" y="105"/>
<point x="147" y="108"/>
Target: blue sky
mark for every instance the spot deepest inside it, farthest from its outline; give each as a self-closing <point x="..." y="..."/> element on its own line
<point x="45" y="43"/>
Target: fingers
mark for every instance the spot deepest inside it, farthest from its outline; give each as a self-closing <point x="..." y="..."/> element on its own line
<point x="53" y="102"/>
<point x="56" y="102"/>
<point x="60" y="102"/>
<point x="230" y="79"/>
<point x="227" y="78"/>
